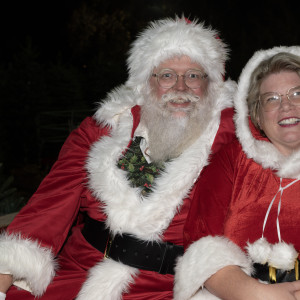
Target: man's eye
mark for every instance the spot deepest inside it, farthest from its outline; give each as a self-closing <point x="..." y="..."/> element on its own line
<point x="167" y="76"/>
<point x="194" y="76"/>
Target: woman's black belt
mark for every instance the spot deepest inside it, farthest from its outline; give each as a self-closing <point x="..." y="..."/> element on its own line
<point x="273" y="275"/>
<point x="152" y="256"/>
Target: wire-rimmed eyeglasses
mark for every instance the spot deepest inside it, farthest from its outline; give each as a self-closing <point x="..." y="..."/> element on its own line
<point x="272" y="100"/>
<point x="167" y="78"/>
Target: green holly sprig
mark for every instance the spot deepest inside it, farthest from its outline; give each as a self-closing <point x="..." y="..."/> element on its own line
<point x="140" y="173"/>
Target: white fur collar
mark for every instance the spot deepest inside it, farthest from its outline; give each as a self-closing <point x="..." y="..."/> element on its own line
<point x="127" y="211"/>
<point x="117" y="101"/>
<point x="262" y="152"/>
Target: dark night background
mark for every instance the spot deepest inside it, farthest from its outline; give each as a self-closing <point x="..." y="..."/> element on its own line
<point x="59" y="58"/>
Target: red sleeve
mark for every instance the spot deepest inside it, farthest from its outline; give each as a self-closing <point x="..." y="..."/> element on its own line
<point x="53" y="208"/>
<point x="212" y="196"/>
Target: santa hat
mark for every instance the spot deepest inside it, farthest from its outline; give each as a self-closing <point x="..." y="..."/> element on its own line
<point x="167" y="38"/>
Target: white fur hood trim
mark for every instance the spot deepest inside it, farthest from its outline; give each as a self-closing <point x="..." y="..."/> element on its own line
<point x="202" y="259"/>
<point x="35" y="265"/>
<point x="262" y="152"/>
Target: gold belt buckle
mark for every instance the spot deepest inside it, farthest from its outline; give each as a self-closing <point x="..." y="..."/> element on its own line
<point x="272" y="272"/>
<point x="108" y="246"/>
<point x="297" y="269"/>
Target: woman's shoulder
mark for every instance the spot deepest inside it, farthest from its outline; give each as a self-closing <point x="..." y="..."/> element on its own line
<point x="231" y="149"/>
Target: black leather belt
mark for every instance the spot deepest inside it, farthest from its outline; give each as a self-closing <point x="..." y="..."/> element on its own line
<point x="152" y="256"/>
<point x="273" y="275"/>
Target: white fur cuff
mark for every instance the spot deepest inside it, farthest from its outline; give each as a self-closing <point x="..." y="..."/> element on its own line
<point x="26" y="260"/>
<point x="203" y="259"/>
<point x="107" y="280"/>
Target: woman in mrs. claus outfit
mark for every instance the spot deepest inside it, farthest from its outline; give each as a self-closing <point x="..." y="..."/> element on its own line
<point x="244" y="219"/>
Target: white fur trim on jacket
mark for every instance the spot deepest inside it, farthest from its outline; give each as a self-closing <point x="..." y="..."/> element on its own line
<point x="264" y="153"/>
<point x="202" y="259"/>
<point x="126" y="210"/>
<point x="118" y="101"/>
<point x="119" y="275"/>
<point x="27" y="261"/>
<point x="164" y="39"/>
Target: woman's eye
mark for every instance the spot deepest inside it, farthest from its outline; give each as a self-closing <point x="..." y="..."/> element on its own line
<point x="272" y="98"/>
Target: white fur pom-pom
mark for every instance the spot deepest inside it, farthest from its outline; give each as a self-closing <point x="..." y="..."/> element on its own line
<point x="259" y="251"/>
<point x="283" y="256"/>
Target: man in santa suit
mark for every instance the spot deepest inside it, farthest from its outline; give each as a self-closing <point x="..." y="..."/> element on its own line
<point x="107" y="221"/>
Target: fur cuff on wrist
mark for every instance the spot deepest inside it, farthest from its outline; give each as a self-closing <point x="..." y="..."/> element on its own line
<point x="203" y="259"/>
<point x="108" y="279"/>
<point x="26" y="260"/>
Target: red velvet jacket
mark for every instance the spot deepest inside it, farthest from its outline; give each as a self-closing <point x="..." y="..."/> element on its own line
<point x="76" y="185"/>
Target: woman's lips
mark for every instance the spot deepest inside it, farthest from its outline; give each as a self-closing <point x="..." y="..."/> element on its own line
<point x="292" y="121"/>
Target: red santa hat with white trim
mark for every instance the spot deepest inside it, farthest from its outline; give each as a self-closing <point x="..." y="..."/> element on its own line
<point x="167" y="38"/>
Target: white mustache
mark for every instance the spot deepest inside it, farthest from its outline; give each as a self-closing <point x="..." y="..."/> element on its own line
<point x="178" y="97"/>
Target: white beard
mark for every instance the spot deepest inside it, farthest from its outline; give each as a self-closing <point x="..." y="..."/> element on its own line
<point x="171" y="133"/>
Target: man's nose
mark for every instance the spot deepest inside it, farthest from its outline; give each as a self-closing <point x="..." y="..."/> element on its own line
<point x="180" y="84"/>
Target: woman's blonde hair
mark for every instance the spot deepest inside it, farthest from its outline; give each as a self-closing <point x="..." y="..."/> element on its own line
<point x="282" y="61"/>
